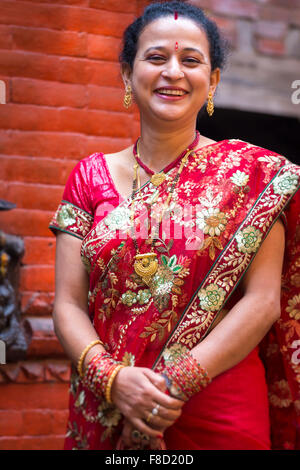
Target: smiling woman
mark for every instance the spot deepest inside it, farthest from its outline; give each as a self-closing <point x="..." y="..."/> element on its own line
<point x="168" y="273"/>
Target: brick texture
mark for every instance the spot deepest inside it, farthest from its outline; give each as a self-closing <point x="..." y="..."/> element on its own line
<point x="64" y="101"/>
<point x="64" y="93"/>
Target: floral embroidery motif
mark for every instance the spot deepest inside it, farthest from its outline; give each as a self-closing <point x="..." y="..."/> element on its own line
<point x="142" y="297"/>
<point x="106" y="414"/>
<point x="72" y="219"/>
<point x="293" y="308"/>
<point x="249" y="240"/>
<point x="128" y="359"/>
<point x="118" y="219"/>
<point x="66" y="216"/>
<point x="167" y="284"/>
<point x="160" y="327"/>
<point x="164" y="282"/>
<point x="211" y="221"/>
<point x="271" y="160"/>
<point x="280" y="394"/>
<point x="211" y="298"/>
<point x="78" y="436"/>
<point x="175" y="351"/>
<point x="286" y="183"/>
<point x="295" y="279"/>
<point x="239" y="178"/>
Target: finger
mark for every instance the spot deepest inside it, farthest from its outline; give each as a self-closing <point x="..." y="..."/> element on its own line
<point x="155" y="444"/>
<point x="163" y="419"/>
<point x="150" y="391"/>
<point x="167" y="414"/>
<point x="165" y="400"/>
<point x="126" y="434"/>
<point x="159" y="423"/>
<point x="157" y="379"/>
<point x="141" y="426"/>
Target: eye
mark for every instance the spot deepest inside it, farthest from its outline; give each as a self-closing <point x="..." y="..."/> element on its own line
<point x="155" y="58"/>
<point x="191" y="60"/>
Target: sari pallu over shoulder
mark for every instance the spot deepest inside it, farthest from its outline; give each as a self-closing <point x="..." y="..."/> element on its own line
<point x="233" y="261"/>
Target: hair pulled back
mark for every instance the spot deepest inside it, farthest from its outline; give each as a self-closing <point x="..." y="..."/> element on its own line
<point x="217" y="44"/>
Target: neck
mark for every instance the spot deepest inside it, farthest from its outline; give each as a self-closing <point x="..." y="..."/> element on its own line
<point x="160" y="147"/>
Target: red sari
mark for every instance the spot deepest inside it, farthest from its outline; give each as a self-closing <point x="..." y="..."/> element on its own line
<point x="227" y="199"/>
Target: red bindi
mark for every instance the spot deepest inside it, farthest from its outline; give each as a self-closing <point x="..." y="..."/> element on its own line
<point x="175" y="15"/>
<point x="176" y="46"/>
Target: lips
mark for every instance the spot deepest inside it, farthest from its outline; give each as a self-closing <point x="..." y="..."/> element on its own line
<point x="171" y="91"/>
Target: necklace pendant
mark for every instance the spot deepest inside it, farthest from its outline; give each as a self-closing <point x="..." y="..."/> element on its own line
<point x="158" y="178"/>
<point x="145" y="266"/>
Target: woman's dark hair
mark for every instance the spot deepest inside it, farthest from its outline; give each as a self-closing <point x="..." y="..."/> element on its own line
<point x="218" y="45"/>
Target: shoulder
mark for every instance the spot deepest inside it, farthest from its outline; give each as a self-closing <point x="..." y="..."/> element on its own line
<point x="90" y="170"/>
<point x="90" y="161"/>
<point x="255" y="156"/>
<point x="102" y="161"/>
<point x="254" y="149"/>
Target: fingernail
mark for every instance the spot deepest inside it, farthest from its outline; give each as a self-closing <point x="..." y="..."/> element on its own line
<point x="159" y="436"/>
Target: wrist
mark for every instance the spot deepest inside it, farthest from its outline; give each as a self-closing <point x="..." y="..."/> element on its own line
<point x="185" y="376"/>
<point x="100" y="373"/>
<point x="115" y="385"/>
<point x="111" y="379"/>
<point x="85" y="353"/>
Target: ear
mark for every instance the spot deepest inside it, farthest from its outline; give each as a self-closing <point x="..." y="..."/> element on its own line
<point x="126" y="74"/>
<point x="214" y="80"/>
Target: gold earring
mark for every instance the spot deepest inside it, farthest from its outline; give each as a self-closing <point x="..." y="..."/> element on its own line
<point x="210" y="104"/>
<point x="127" y="97"/>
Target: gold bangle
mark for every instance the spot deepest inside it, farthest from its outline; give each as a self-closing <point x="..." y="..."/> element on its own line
<point x="84" y="353"/>
<point x="110" y="382"/>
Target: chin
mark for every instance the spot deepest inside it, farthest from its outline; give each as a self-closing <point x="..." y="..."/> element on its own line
<point x="169" y="115"/>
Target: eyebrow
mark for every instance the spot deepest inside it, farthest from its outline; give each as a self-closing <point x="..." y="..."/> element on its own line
<point x="192" y="49"/>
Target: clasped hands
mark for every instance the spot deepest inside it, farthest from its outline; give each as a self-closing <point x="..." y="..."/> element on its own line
<point x="136" y="392"/>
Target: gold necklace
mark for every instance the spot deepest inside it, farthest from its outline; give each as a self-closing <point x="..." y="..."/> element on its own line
<point x="158" y="178"/>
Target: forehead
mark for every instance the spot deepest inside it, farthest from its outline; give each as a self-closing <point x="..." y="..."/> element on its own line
<point x="167" y="29"/>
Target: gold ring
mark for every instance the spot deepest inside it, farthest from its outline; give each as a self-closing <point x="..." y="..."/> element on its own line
<point x="149" y="417"/>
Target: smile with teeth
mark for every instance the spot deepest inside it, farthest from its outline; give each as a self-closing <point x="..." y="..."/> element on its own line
<point x="164" y="91"/>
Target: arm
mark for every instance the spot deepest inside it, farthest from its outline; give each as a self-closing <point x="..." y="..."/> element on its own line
<point x="70" y="314"/>
<point x="250" y="319"/>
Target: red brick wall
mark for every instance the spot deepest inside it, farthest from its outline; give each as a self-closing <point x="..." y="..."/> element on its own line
<point x="59" y="61"/>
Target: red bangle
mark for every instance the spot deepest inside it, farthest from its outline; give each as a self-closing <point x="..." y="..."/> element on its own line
<point x="185" y="376"/>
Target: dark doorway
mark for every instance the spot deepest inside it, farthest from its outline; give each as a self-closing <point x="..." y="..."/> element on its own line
<point x="277" y="133"/>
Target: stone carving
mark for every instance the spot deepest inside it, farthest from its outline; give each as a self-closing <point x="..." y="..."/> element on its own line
<point x="14" y="331"/>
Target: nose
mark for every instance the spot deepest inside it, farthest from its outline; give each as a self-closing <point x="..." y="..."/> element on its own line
<point x="172" y="69"/>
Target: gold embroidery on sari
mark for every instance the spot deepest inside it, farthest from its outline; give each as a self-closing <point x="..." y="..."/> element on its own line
<point x="293" y="308"/>
<point x="71" y="219"/>
<point x="280" y="394"/>
<point x="239" y="252"/>
<point x="78" y="436"/>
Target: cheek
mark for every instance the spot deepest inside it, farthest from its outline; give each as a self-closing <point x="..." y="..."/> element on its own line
<point x="143" y="83"/>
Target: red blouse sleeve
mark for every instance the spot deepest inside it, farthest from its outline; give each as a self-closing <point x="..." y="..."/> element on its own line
<point x="75" y="214"/>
